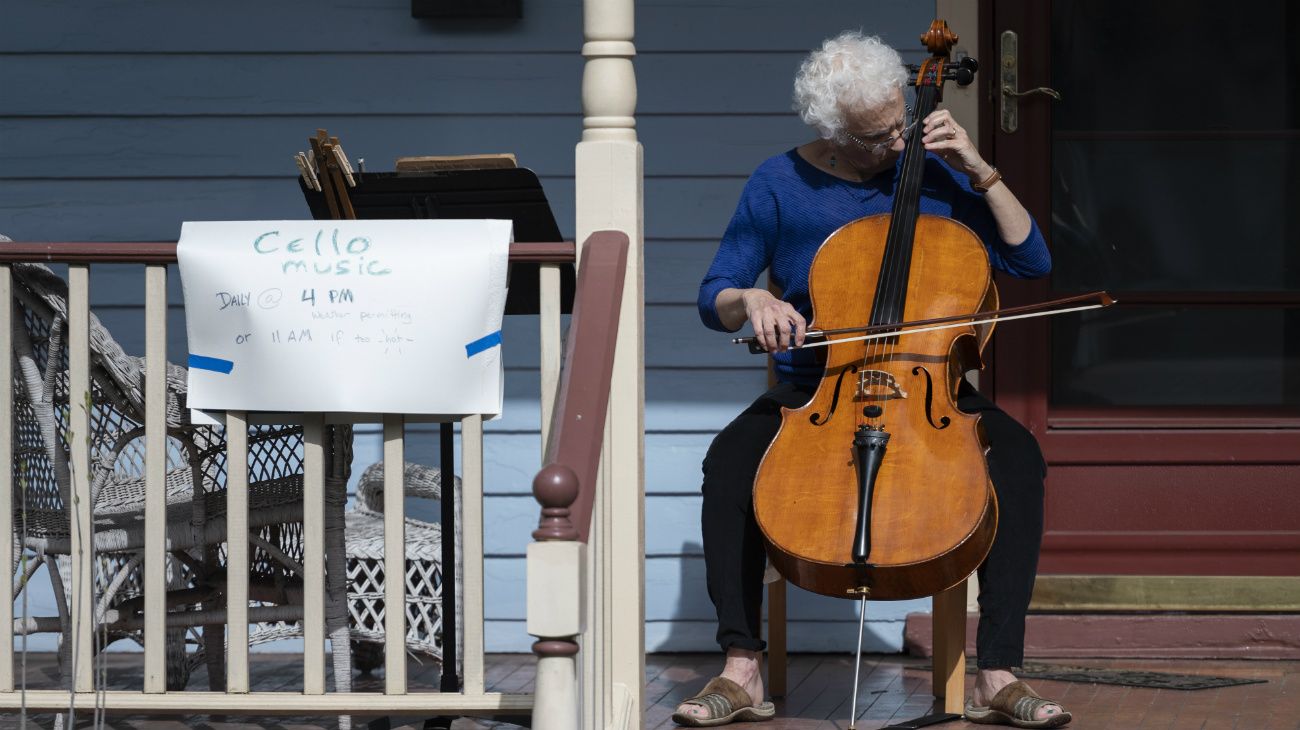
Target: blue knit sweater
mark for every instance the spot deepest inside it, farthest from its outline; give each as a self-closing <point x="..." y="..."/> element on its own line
<point x="789" y="207"/>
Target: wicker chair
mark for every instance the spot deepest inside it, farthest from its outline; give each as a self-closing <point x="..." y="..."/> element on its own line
<point x="195" y="497"/>
<point x="423" y="575"/>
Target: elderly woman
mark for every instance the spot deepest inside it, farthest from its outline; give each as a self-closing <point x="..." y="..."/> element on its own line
<point x="851" y="93"/>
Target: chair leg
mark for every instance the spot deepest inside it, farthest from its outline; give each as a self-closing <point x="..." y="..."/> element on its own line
<point x="776" y="639"/>
<point x="65" y="645"/>
<point x="214" y="635"/>
<point x="336" y="597"/>
<point x="178" y="664"/>
<point x="214" y="654"/>
<point x="948" y="624"/>
<point x="65" y="622"/>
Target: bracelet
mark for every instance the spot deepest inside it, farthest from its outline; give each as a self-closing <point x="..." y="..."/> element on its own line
<point x="983" y="185"/>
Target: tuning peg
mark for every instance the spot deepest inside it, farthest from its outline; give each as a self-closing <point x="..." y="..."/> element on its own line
<point x="964" y="73"/>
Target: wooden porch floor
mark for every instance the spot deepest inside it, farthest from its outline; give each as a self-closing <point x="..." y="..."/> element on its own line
<point x="893" y="689"/>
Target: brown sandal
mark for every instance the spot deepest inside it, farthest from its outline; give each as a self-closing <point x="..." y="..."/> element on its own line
<point x="1015" y="705"/>
<point x="726" y="702"/>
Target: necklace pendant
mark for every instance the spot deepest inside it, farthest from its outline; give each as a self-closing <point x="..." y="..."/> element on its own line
<point x="833" y="160"/>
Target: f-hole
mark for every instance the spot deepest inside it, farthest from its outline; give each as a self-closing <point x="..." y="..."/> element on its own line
<point x="944" y="421"/>
<point x="816" y="418"/>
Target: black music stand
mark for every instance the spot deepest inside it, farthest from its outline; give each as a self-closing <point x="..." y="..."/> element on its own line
<point x="513" y="194"/>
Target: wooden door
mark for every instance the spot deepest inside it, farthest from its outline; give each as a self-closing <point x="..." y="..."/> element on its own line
<point x="1168" y="174"/>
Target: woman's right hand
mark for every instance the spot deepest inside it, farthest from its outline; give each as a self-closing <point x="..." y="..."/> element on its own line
<point x="777" y="325"/>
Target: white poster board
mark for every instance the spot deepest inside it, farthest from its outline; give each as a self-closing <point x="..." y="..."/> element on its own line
<point x="374" y="316"/>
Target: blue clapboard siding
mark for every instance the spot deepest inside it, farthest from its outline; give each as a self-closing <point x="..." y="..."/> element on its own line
<point x="301" y="26"/>
<point x="255" y="146"/>
<point x="121" y="119"/>
<point x="78" y="209"/>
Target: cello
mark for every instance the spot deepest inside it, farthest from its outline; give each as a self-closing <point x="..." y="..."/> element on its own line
<point x="878" y="487"/>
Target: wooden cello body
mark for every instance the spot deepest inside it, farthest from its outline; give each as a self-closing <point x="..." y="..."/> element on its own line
<point x="878" y="486"/>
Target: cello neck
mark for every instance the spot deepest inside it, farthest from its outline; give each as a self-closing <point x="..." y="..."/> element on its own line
<point x="908" y="190"/>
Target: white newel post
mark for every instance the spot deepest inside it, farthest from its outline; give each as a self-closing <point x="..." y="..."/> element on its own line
<point x="609" y="197"/>
<point x="556" y="592"/>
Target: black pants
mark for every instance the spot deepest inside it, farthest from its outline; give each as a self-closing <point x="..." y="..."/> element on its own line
<point x="733" y="547"/>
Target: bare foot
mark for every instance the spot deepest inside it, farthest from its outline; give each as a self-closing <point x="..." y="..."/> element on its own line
<point x="742" y="667"/>
<point x="988" y="682"/>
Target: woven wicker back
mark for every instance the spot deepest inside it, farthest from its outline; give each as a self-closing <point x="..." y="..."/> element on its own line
<point x="42" y="403"/>
<point x="196" y="455"/>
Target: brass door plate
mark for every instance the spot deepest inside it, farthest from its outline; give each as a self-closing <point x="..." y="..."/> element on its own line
<point x="1009" y="78"/>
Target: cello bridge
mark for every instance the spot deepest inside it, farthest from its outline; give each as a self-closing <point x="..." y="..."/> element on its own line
<point x="878" y="385"/>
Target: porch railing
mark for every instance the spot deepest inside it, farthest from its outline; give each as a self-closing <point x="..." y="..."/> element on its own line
<point x="576" y="431"/>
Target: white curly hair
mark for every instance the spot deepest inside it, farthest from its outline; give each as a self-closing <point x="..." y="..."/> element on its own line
<point x="850" y="72"/>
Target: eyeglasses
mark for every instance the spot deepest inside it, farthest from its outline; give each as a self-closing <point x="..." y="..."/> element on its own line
<point x="876" y="148"/>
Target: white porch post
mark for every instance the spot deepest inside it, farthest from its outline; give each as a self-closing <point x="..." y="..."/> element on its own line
<point x="609" y="196"/>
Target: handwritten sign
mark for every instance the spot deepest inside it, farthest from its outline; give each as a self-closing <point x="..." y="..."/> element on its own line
<point x="397" y="316"/>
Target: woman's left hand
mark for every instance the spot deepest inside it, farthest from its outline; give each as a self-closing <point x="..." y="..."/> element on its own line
<point x="943" y="136"/>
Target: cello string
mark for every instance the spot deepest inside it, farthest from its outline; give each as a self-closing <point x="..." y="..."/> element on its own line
<point x="888" y="280"/>
<point x="868" y="376"/>
<point x="875" y="353"/>
<point x="907" y="193"/>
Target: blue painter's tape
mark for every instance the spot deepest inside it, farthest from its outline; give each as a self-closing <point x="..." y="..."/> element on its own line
<point x="215" y="364"/>
<point x="483" y="343"/>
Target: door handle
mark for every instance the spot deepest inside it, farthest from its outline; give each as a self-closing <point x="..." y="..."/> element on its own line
<point x="1009" y="68"/>
<point x="1010" y="91"/>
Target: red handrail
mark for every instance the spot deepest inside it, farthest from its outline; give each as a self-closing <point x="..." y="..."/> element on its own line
<point x="566" y="484"/>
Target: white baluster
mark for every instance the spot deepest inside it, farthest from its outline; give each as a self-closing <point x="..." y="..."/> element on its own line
<point x="550" y="347"/>
<point x="471" y="525"/>
<point x="313" y="554"/>
<point x="237" y="559"/>
<point x="6" y="474"/>
<point x="81" y="597"/>
<point x="394" y="555"/>
<point x="155" y="489"/>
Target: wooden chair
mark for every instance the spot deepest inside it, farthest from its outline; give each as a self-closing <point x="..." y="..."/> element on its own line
<point x="949" y="617"/>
